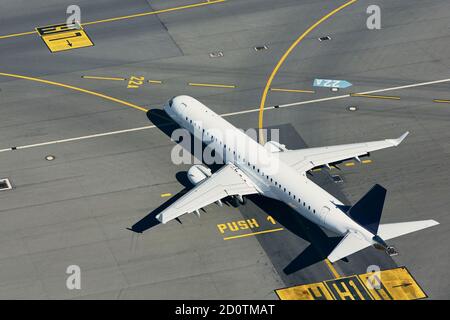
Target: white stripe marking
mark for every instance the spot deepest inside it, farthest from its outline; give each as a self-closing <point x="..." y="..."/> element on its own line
<point x="420" y="84"/>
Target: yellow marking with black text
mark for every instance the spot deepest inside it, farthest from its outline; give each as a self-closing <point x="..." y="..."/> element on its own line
<point x="392" y="284"/>
<point x="62" y="37"/>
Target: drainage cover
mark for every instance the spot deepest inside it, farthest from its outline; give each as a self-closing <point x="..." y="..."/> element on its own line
<point x="50" y="157"/>
<point x="261" y="48"/>
<point x="216" y="54"/>
<point x="5" y="184"/>
<point x="325" y="38"/>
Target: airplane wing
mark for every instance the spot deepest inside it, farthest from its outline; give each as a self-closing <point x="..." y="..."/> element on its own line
<point x="349" y="245"/>
<point x="228" y="181"/>
<point x="305" y="159"/>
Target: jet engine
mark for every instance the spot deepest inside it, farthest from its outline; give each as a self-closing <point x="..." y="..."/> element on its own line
<point x="198" y="173"/>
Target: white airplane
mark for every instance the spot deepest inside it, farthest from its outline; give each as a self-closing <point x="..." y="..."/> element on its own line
<point x="285" y="181"/>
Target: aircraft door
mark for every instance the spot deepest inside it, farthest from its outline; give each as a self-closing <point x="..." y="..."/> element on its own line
<point x="324" y="212"/>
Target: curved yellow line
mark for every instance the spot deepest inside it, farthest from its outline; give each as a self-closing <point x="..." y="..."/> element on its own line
<point x="62" y="85"/>
<point x="284" y="57"/>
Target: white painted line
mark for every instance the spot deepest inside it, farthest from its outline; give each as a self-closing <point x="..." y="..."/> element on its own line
<point x="79" y="138"/>
<point x="420" y="84"/>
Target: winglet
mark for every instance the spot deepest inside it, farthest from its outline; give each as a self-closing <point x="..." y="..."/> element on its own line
<point x="399" y="140"/>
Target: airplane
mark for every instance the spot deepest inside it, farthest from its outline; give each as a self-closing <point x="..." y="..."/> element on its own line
<point x="273" y="171"/>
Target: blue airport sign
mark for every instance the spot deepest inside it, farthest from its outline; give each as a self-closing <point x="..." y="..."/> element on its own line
<point x="329" y="83"/>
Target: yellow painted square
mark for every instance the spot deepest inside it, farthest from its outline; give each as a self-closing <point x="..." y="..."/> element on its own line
<point x="396" y="284"/>
<point x="69" y="40"/>
<point x="315" y="291"/>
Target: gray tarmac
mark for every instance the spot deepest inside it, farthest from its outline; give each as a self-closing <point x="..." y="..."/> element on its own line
<point x="75" y="210"/>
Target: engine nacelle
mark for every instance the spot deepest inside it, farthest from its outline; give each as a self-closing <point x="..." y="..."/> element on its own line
<point x="198" y="173"/>
<point x="273" y="146"/>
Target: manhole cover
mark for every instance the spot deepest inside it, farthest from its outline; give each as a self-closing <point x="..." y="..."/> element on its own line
<point x="5" y="184"/>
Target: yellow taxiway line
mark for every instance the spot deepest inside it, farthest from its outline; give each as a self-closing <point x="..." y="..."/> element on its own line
<point x="143" y="14"/>
<point x="253" y="234"/>
<point x="154" y="81"/>
<point x="373" y="96"/>
<point x="441" y="101"/>
<point x="165" y="195"/>
<point x="283" y="59"/>
<point x="332" y="269"/>
<point x="103" y="78"/>
<point x="62" y="85"/>
<point x="292" y="90"/>
<point x="214" y="85"/>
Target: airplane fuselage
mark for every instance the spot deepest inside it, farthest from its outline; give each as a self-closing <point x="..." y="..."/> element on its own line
<point x="281" y="182"/>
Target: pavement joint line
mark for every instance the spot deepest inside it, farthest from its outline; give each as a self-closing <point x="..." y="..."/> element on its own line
<point x="253" y="233"/>
<point x="189" y="6"/>
<point x="283" y="59"/>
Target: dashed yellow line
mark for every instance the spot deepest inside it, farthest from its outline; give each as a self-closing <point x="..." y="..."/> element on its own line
<point x="214" y="85"/>
<point x="253" y="234"/>
<point x="373" y="96"/>
<point x="283" y="59"/>
<point x="292" y="90"/>
<point x="332" y="269"/>
<point x="441" y="101"/>
<point x="366" y="161"/>
<point x="154" y="81"/>
<point x="143" y="14"/>
<point x="349" y="164"/>
<point x="165" y="195"/>
<point x="103" y="78"/>
<point x="62" y="85"/>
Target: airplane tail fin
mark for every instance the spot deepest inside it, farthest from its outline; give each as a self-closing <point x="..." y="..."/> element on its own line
<point x="367" y="211"/>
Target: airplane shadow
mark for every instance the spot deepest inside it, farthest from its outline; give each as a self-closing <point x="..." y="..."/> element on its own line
<point x="320" y="244"/>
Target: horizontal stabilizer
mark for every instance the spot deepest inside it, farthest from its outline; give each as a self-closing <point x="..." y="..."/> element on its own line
<point x="393" y="230"/>
<point x="351" y="243"/>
